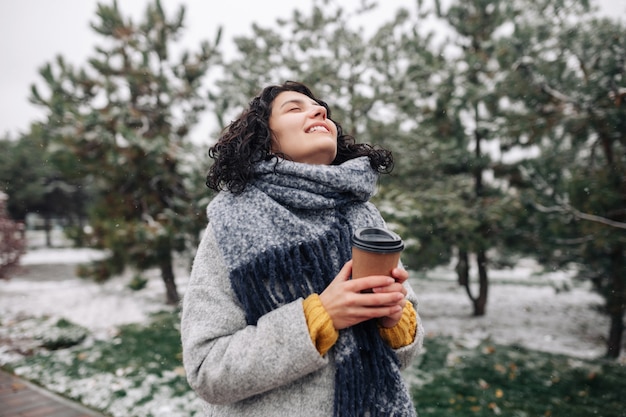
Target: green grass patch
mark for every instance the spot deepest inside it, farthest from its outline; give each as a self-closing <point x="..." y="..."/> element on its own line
<point x="493" y="380"/>
<point x="139" y="372"/>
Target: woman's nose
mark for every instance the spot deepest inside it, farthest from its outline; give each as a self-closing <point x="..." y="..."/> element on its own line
<point x="319" y="111"/>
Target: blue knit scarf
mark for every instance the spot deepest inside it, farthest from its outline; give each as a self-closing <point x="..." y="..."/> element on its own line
<point x="286" y="237"/>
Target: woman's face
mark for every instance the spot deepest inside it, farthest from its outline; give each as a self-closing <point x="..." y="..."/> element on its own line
<point x="301" y="129"/>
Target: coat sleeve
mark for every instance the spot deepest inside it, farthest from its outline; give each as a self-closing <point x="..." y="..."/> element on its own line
<point x="407" y="353"/>
<point x="227" y="360"/>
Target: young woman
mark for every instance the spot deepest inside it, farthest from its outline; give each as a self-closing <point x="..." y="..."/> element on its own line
<point x="272" y="324"/>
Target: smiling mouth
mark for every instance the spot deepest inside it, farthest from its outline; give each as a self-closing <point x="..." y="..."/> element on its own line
<point x="318" y="128"/>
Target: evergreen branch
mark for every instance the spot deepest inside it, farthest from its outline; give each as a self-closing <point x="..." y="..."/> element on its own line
<point x="556" y="94"/>
<point x="566" y="208"/>
<point x="597" y="219"/>
<point x="574" y="241"/>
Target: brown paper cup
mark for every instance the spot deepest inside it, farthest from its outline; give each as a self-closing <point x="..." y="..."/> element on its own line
<point x="369" y="263"/>
<point x="375" y="251"/>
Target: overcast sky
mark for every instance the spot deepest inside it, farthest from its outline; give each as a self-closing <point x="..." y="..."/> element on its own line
<point x="35" y="31"/>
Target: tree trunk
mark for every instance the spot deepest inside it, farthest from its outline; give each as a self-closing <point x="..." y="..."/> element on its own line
<point x="616" y="331"/>
<point x="616" y="303"/>
<point x="47" y="226"/>
<point x="462" y="268"/>
<point x="80" y="235"/>
<point x="167" y="274"/>
<point x="480" y="303"/>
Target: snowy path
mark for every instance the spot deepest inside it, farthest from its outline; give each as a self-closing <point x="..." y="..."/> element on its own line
<point x="49" y="286"/>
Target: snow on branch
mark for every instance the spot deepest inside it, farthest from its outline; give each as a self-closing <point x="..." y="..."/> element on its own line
<point x="566" y="208"/>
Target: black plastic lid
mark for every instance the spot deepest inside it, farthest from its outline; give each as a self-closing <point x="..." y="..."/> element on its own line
<point x="375" y="239"/>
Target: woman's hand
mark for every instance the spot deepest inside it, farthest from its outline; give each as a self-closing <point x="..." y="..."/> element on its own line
<point x="347" y="304"/>
<point x="400" y="276"/>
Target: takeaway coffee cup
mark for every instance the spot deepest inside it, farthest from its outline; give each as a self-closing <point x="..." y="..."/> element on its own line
<point x="375" y="251"/>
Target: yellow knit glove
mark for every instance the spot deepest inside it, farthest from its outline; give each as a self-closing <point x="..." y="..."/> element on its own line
<point x="403" y="333"/>
<point x="323" y="333"/>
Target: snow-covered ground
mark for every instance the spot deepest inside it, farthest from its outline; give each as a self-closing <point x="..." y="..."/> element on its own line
<point x="47" y="285"/>
<point x="539" y="311"/>
<point x="535" y="316"/>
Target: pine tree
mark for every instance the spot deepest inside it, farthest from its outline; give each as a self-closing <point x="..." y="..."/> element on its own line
<point x="448" y="97"/>
<point x="35" y="184"/>
<point x="572" y="112"/>
<point x="127" y="119"/>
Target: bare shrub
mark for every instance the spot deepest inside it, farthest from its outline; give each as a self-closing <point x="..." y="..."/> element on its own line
<point x="12" y="240"/>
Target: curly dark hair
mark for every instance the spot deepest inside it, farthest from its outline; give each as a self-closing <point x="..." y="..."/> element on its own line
<point x="248" y="139"/>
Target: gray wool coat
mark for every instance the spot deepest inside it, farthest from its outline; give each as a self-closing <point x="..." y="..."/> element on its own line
<point x="270" y="369"/>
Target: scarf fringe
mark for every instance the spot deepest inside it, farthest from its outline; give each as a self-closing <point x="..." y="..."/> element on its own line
<point x="368" y="379"/>
<point x="281" y="275"/>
